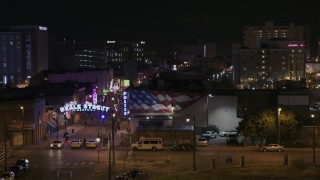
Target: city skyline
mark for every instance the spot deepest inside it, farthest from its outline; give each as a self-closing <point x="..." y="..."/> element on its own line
<point x="159" y="23"/>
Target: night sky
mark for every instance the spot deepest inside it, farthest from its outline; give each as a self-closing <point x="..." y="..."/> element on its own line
<point x="159" y="22"/>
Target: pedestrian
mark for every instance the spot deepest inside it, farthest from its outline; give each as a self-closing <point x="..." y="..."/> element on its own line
<point x="84" y="142"/>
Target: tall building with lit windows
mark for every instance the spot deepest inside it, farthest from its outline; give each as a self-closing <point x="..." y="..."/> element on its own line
<point x="23" y="54"/>
<point x="73" y="55"/>
<point x="274" y="61"/>
<point x="254" y="34"/>
<point x="124" y="57"/>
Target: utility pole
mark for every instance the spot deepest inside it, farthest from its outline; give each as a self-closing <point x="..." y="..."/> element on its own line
<point x="5" y="144"/>
<point x="112" y="126"/>
<point x="109" y="156"/>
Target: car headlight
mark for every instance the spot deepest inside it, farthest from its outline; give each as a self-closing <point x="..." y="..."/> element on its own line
<point x="51" y="145"/>
<point x="59" y="145"/>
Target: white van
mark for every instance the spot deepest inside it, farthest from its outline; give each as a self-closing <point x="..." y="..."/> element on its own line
<point x="153" y="144"/>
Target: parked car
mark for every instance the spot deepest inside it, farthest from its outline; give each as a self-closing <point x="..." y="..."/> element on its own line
<point x="272" y="147"/>
<point x="228" y="131"/>
<point x="57" y="144"/>
<point x="76" y="143"/>
<point x="91" y="143"/>
<point x="153" y="144"/>
<point x="232" y="139"/>
<point x="209" y="134"/>
<point x="223" y="133"/>
<point x="7" y="175"/>
<point x="202" y="141"/>
<point x="24" y="163"/>
<point x="132" y="174"/>
<point x="182" y="147"/>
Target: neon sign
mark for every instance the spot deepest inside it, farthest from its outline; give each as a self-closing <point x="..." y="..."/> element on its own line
<point x="296" y="45"/>
<point x="125" y="103"/>
<point x="83" y="107"/>
<point x="94" y="96"/>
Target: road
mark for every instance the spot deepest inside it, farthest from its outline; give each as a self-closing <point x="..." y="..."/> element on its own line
<point x="83" y="163"/>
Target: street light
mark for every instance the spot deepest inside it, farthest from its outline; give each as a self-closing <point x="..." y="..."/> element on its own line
<point x="5" y="144"/>
<point x="279" y="124"/>
<point x="65" y="124"/>
<point x="54" y="116"/>
<point x="109" y="140"/>
<point x="112" y="126"/>
<point x="194" y="141"/>
<point x="208" y="96"/>
<point x="23" y="133"/>
<point x="314" y="139"/>
<point x="98" y="147"/>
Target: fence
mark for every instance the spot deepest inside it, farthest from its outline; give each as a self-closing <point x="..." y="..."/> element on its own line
<point x="218" y="159"/>
<point x="8" y="151"/>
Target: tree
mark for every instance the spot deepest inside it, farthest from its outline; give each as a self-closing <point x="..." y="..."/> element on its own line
<point x="266" y="126"/>
<point x="262" y="126"/>
<point x="289" y="127"/>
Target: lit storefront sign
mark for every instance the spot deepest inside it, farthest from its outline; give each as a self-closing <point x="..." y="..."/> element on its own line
<point x="296" y="45"/>
<point x="125" y="103"/>
<point x="83" y="107"/>
<point x="94" y="96"/>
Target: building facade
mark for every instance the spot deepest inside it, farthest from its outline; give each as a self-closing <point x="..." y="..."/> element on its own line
<point x="273" y="61"/>
<point x="23" y="118"/>
<point x="253" y="35"/>
<point x="126" y="58"/>
<point x="23" y="53"/>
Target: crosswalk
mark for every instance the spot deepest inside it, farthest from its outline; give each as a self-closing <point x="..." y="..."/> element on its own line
<point x="67" y="164"/>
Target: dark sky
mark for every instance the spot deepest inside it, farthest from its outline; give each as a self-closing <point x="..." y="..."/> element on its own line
<point x="159" y="22"/>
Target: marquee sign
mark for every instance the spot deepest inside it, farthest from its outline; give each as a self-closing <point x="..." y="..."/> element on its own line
<point x="83" y="107"/>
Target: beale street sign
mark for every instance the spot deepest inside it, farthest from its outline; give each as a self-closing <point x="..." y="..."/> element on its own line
<point x="83" y="107"/>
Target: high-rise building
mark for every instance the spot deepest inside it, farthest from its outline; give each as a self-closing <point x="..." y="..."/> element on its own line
<point x="274" y="60"/>
<point x="124" y="57"/>
<point x="254" y="34"/>
<point x="72" y="56"/>
<point x="23" y="53"/>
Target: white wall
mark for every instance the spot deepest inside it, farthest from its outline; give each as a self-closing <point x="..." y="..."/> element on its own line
<point x="223" y="112"/>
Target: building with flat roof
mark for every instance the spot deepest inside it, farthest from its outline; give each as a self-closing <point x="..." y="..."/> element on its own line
<point x="23" y="53"/>
<point x="274" y="60"/>
<point x="253" y="35"/>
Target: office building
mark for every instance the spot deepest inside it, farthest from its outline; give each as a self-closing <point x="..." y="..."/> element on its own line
<point x="254" y="34"/>
<point x="275" y="60"/>
<point x="124" y="57"/>
<point x="23" y="53"/>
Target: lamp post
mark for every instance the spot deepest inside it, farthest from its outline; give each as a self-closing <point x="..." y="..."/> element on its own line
<point x="65" y="124"/>
<point x="112" y="134"/>
<point x="172" y="112"/>
<point x="109" y="140"/>
<point x="23" y="133"/>
<point x="194" y="141"/>
<point x="208" y="96"/>
<point x="5" y="144"/>
<point x="98" y="147"/>
<point x="279" y="124"/>
<point x="54" y="116"/>
<point x="314" y="139"/>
